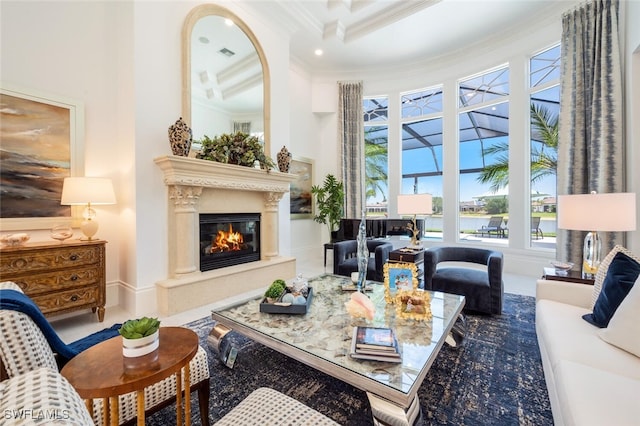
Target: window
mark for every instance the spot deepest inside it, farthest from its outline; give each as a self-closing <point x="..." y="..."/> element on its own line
<point x="376" y="159"/>
<point x="460" y="133"/>
<point x="544" y="89"/>
<point x="422" y="151"/>
<point x="483" y="137"/>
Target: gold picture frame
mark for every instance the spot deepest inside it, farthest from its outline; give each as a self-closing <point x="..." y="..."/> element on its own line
<point x="413" y="304"/>
<point x="399" y="277"/>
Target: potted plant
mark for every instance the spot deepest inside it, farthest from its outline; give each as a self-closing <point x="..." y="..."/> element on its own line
<point x="237" y="148"/>
<point x="275" y="291"/>
<point x="139" y="336"/>
<point x="329" y="203"/>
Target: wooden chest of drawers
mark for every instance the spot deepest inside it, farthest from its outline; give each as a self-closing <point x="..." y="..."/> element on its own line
<point x="59" y="277"/>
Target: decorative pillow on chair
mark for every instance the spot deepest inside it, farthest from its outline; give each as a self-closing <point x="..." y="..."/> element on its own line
<point x="624" y="328"/>
<point x="621" y="274"/>
<point x="604" y="267"/>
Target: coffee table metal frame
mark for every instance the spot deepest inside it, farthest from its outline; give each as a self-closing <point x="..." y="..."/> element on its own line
<point x="321" y="339"/>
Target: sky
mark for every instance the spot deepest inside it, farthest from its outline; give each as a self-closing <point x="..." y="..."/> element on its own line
<point x="471" y="157"/>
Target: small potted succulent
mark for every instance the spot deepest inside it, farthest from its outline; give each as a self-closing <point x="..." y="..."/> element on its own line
<point x="275" y="291"/>
<point x="140" y="336"/>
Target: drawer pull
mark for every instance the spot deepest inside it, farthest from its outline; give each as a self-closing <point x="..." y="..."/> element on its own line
<point x="74" y="298"/>
<point x="74" y="257"/>
<point x="74" y="277"/>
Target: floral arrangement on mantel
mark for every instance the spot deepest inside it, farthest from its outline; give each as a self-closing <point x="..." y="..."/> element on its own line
<point x="236" y="148"/>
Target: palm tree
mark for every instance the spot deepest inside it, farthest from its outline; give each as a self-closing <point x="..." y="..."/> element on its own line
<point x="544" y="156"/>
<point x="375" y="154"/>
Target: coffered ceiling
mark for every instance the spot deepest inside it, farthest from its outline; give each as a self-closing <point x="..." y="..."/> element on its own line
<point x="356" y="35"/>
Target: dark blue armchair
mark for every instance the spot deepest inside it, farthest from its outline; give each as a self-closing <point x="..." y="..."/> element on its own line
<point x="345" y="259"/>
<point x="482" y="288"/>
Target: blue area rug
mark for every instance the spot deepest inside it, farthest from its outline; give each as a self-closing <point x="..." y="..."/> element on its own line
<point x="496" y="378"/>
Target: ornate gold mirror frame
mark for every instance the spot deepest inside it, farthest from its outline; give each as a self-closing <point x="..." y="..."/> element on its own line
<point x="187" y="29"/>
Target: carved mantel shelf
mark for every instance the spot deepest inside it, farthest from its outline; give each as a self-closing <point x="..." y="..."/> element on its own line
<point x="186" y="171"/>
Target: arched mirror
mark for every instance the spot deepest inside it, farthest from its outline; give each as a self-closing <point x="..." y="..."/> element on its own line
<point x="225" y="77"/>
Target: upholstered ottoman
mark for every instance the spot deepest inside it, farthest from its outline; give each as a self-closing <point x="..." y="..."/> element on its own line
<point x="265" y="406"/>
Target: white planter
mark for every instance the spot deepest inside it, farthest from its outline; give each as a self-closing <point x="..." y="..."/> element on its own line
<point x="138" y="347"/>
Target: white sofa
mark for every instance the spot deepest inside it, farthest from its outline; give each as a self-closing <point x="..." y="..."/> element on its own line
<point x="590" y="381"/>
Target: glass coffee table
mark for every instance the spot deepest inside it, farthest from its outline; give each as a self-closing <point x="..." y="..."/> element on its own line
<point x="321" y="339"/>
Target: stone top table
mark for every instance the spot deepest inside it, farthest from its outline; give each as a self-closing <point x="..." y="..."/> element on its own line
<point x="322" y="339"/>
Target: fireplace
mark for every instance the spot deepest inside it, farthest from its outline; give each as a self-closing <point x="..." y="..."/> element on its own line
<point x="196" y="187"/>
<point x="228" y="239"/>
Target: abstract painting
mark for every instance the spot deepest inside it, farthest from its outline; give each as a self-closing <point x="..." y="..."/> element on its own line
<point x="39" y="147"/>
<point x="301" y="197"/>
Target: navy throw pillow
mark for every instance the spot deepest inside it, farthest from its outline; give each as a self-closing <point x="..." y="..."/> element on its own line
<point x="623" y="272"/>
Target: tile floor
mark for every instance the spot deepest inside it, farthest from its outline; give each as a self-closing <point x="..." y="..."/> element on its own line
<point x="77" y="325"/>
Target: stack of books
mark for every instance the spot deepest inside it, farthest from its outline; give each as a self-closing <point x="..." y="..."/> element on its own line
<point x="375" y="343"/>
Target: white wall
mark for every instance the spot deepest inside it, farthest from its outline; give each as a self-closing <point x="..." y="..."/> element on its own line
<point x="72" y="50"/>
<point x="123" y="60"/>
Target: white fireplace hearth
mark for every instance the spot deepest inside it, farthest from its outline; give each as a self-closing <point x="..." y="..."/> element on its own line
<point x="201" y="186"/>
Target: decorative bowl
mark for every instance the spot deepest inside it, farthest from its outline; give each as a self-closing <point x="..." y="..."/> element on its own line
<point x="562" y="266"/>
<point x="15" y="239"/>
<point x="61" y="232"/>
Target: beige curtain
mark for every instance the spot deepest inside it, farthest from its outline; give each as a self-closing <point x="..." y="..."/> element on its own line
<point x="351" y="134"/>
<point x="591" y="148"/>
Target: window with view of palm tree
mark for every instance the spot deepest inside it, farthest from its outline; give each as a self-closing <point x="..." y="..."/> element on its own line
<point x="544" y="156"/>
<point x="375" y="149"/>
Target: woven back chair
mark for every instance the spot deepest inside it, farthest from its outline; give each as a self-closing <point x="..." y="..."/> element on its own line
<point x="46" y="395"/>
<point x="24" y="348"/>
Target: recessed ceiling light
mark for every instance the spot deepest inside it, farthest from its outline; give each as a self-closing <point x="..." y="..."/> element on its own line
<point x="203" y="40"/>
<point x="229" y="22"/>
<point x="226" y="52"/>
<point x="318" y="52"/>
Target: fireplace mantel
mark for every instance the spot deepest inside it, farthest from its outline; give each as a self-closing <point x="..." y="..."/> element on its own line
<point x="210" y="174"/>
<point x="197" y="186"/>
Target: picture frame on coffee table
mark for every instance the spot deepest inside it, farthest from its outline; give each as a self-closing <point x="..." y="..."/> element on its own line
<point x="413" y="304"/>
<point x="399" y="277"/>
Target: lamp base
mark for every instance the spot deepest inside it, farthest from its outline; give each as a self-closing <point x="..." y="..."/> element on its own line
<point x="591" y="255"/>
<point x="89" y="228"/>
<point x="413" y="226"/>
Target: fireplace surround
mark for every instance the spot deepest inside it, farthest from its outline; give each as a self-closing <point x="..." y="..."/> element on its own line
<point x="205" y="187"/>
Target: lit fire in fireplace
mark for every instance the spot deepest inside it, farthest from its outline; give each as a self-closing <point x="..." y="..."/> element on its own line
<point x="227" y="241"/>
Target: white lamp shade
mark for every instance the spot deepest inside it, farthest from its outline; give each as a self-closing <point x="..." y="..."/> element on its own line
<point x="415" y="204"/>
<point x="597" y="212"/>
<point x="85" y="190"/>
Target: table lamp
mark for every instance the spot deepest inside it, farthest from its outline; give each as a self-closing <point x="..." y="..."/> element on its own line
<point x="87" y="191"/>
<point x="415" y="204"/>
<point x="596" y="213"/>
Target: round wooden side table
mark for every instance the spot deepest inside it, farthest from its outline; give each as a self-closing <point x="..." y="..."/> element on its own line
<point x="103" y="372"/>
